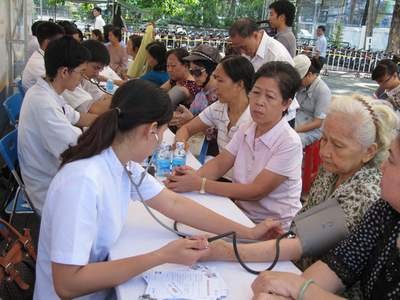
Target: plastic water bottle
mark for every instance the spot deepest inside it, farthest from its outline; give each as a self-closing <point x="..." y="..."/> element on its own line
<point x="163" y="164"/>
<point x="179" y="158"/>
<point x="109" y="86"/>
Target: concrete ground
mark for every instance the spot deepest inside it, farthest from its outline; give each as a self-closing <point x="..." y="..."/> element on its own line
<point x="343" y="83"/>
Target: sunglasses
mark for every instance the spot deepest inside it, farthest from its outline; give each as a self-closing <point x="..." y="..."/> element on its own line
<point x="197" y="71"/>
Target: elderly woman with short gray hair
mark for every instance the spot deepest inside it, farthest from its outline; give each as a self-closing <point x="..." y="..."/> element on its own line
<point x="356" y="136"/>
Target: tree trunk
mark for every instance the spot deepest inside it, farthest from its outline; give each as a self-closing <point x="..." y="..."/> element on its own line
<point x="352" y="8"/>
<point x="394" y="34"/>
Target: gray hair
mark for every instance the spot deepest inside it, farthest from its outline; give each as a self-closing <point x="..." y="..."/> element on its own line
<point x="375" y="122"/>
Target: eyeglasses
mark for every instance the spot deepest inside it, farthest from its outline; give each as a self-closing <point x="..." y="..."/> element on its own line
<point x="80" y="72"/>
<point x="97" y="67"/>
<point x="196" y="71"/>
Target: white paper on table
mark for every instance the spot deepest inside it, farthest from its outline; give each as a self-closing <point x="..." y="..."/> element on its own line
<point x="196" y="282"/>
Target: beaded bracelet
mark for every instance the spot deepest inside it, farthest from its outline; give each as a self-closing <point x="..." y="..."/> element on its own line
<point x="304" y="288"/>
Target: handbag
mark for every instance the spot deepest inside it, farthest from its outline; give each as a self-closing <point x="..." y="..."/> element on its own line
<point x="17" y="263"/>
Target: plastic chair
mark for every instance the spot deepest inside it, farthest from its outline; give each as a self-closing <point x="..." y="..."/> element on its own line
<point x="21" y="89"/>
<point x="311" y="163"/>
<point x="8" y="150"/>
<point x="12" y="105"/>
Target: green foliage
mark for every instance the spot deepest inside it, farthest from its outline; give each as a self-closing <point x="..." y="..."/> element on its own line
<point x="337" y="35"/>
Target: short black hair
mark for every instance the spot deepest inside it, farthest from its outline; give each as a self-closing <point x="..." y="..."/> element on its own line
<point x="322" y="27"/>
<point x="385" y="67"/>
<point x="80" y="35"/>
<point x="106" y="30"/>
<point x="48" y="30"/>
<point x="69" y="28"/>
<point x="315" y="67"/>
<point x="98" y="52"/>
<point x="180" y="53"/>
<point x="136" y="41"/>
<point x="243" y="27"/>
<point x="117" y="32"/>
<point x="286" y="76"/>
<point x="64" y="52"/>
<point x="97" y="8"/>
<point x="286" y="8"/>
<point x="35" y="25"/>
<point x="239" y="68"/>
<point x="158" y="50"/>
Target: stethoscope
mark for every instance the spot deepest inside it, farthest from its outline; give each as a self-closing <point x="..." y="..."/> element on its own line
<point x="188" y="235"/>
<point x="97" y="84"/>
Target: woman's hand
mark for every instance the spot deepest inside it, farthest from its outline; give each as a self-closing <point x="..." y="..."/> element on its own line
<point x="185" y="251"/>
<point x="184" y="179"/>
<point x="265" y="296"/>
<point x="267" y="230"/>
<point x="219" y="250"/>
<point x="278" y="283"/>
<point x="181" y="116"/>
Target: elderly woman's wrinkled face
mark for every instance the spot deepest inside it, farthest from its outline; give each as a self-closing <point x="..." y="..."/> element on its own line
<point x="391" y="176"/>
<point x="341" y="152"/>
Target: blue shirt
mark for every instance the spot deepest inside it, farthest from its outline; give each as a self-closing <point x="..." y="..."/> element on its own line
<point x="157" y="77"/>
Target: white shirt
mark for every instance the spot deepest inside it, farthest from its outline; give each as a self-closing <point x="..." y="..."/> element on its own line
<point x="92" y="89"/>
<point x="84" y="214"/>
<point x="109" y="73"/>
<point x="34" y="69"/>
<point x="269" y="50"/>
<point x="99" y="23"/>
<point x="44" y="132"/>
<point x="216" y="115"/>
<point x="78" y="99"/>
<point x="321" y="46"/>
<point x="33" y="45"/>
<point x="272" y="50"/>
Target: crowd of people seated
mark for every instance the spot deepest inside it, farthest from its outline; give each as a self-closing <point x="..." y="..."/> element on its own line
<point x="80" y="145"/>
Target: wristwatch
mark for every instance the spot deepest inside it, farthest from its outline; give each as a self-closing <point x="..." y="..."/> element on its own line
<point x="203" y="185"/>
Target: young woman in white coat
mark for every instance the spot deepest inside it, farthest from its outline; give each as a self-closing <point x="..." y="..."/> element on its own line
<point x="88" y="199"/>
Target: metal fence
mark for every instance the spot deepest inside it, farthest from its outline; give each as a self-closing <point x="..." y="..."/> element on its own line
<point x="341" y="59"/>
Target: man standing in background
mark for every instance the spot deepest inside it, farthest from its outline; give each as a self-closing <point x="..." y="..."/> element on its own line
<point x="321" y="45"/>
<point x="281" y="17"/>
<point x="99" y="22"/>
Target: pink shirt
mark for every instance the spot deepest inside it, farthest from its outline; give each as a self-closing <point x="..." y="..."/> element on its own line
<point x="279" y="150"/>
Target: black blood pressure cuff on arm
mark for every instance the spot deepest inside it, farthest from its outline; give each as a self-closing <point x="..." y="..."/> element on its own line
<point x="177" y="96"/>
<point x="320" y="227"/>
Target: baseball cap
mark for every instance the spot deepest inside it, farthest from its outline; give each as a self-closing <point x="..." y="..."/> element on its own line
<point x="302" y="64"/>
<point x="204" y="52"/>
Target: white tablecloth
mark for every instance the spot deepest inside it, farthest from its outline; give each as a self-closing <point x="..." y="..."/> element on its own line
<point x="142" y="234"/>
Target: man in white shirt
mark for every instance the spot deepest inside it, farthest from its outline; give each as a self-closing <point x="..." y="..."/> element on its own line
<point x="259" y="48"/>
<point x="321" y="45"/>
<point x="88" y="95"/>
<point x="45" y="128"/>
<point x="99" y="22"/>
<point x="33" y="43"/>
<point x="34" y="68"/>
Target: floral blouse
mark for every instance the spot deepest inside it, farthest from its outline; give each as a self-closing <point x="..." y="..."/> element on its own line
<point x="355" y="195"/>
<point x="371" y="254"/>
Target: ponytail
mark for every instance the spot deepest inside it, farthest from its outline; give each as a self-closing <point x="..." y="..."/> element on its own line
<point x="94" y="140"/>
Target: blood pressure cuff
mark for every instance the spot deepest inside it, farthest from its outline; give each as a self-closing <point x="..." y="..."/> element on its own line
<point x="320" y="227"/>
<point x="177" y="96"/>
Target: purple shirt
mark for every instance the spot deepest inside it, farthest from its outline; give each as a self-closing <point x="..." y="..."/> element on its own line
<point x="279" y="150"/>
